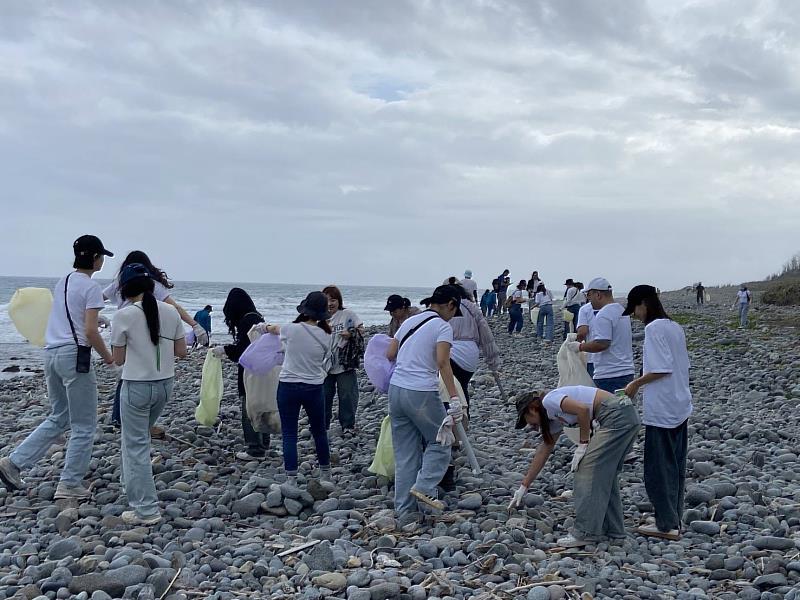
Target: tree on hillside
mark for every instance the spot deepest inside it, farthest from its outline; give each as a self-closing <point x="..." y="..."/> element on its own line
<point x="791" y="268"/>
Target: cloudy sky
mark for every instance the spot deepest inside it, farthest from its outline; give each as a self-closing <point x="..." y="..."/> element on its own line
<point x="399" y="142"/>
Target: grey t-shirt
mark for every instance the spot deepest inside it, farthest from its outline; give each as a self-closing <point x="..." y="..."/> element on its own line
<point x="305" y="347"/>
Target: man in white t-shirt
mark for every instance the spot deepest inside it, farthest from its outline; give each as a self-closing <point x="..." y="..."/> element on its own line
<point x="612" y="339"/>
<point x="470" y="286"/>
<point x="572" y="303"/>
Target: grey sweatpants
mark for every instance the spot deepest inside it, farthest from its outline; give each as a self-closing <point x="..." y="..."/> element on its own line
<point x="598" y="507"/>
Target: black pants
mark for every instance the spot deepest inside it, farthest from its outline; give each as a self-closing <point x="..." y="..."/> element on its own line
<point x="463" y="378"/>
<point x="257" y="442"/>
<point x="665" y="472"/>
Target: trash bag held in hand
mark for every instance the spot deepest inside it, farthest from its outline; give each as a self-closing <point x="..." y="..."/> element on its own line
<point x="262" y="355"/>
<point x="572" y="365"/>
<point x="383" y="463"/>
<point x="261" y="394"/>
<point x="210" y="391"/>
<point x="379" y="368"/>
<point x="352" y="352"/>
<point x="29" y="310"/>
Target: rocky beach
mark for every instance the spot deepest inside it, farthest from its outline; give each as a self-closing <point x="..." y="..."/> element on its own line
<point x="236" y="529"/>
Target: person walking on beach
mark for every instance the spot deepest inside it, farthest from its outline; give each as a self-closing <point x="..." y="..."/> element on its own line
<point x="240" y="316"/>
<point x="572" y="303"/>
<point x="468" y="283"/>
<point x="612" y="340"/>
<point x="503" y="281"/>
<point x="597" y="460"/>
<point x="307" y="349"/>
<point x="488" y="302"/>
<point x="203" y="318"/>
<point x="399" y="310"/>
<point x="533" y="285"/>
<point x="544" y="322"/>
<point x="421" y="349"/>
<point x="667" y="403"/>
<point x="71" y="334"/>
<point x="342" y="381"/>
<point x="146" y="336"/>
<point x="701" y="293"/>
<point x="515" y="302"/>
<point x="744" y="299"/>
<point x="586" y="316"/>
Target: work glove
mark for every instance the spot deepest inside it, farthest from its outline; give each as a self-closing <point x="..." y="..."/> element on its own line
<point x="577" y="457"/>
<point x="200" y="334"/>
<point x="445" y="435"/>
<point x="455" y="409"/>
<point x="573" y="346"/>
<point x="516" y="501"/>
<point x="103" y="322"/>
<point x="260" y="328"/>
<point x="218" y="351"/>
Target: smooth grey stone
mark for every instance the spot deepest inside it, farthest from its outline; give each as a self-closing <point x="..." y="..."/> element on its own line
<point x="769" y="542"/>
<point x="64" y="548"/>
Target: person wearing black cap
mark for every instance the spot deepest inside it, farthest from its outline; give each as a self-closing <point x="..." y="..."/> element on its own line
<point x="72" y="333"/>
<point x="146" y="336"/>
<point x="667" y="405"/>
<point x="598" y="458"/>
<point x="421" y="349"/>
<point x="399" y="309"/>
<point x="307" y="358"/>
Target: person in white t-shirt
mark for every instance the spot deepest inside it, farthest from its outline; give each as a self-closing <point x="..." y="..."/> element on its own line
<point x="572" y="302"/>
<point x="421" y="349"/>
<point x="544" y="321"/>
<point x="470" y="286"/>
<point x="146" y="337"/>
<point x="667" y="402"/>
<point x="744" y="299"/>
<point x="346" y="328"/>
<point x="584" y="332"/>
<point x="612" y="339"/>
<point x="518" y="297"/>
<point x="72" y="333"/>
<point x="598" y="456"/>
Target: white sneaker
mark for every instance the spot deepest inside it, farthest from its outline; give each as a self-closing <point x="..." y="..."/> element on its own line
<point x="651" y="530"/>
<point x="570" y="541"/>
<point x="71" y="492"/>
<point x="130" y="517"/>
<point x="247" y="457"/>
<point x="424" y="498"/>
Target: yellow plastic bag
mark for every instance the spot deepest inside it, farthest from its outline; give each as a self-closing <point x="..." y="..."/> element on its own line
<point x="29" y="310"/>
<point x="210" y="391"/>
<point x="383" y="463"/>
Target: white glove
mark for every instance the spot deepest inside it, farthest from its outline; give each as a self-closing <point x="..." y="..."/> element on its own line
<point x="260" y="328"/>
<point x="200" y="334"/>
<point x="455" y="410"/>
<point x="516" y="501"/>
<point x="218" y="351"/>
<point x="445" y="435"/>
<point x="577" y="457"/>
<point x="573" y="346"/>
<point x="103" y="322"/>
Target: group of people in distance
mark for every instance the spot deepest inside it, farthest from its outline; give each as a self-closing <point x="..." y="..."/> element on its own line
<point x="445" y="339"/>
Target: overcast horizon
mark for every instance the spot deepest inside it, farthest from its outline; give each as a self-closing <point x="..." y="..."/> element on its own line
<point x="399" y="143"/>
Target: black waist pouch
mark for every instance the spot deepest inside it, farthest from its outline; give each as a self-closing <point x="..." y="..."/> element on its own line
<point x="84" y="362"/>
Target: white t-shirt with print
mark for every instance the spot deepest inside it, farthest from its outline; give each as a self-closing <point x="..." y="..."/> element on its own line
<point x="667" y="401"/>
<point x="617" y="359"/>
<point x="340" y="321"/>
<point x="544" y="298"/>
<point x="586" y="317"/>
<point x="416" y="368"/>
<point x="111" y="291"/>
<point x="583" y="394"/>
<point x="305" y="347"/>
<point x="144" y="361"/>
<point x="471" y="287"/>
<point x="83" y="293"/>
<point x="743" y="296"/>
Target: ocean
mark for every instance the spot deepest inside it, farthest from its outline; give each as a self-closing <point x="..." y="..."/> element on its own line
<point x="277" y="302"/>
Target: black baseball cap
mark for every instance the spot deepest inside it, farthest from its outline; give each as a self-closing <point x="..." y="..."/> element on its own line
<point x="89" y="245"/>
<point x="444" y="294"/>
<point x="133" y="271"/>
<point x="522" y="404"/>
<point x="394" y="302"/>
<point x="637" y="295"/>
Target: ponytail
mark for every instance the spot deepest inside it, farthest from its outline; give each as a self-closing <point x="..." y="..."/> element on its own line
<point x="150" y="307"/>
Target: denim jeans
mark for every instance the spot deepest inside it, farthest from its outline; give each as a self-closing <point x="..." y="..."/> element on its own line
<point x="598" y="507"/>
<point x="416" y="418"/>
<point x="73" y="402"/>
<point x="612" y="384"/>
<point x="346" y="384"/>
<point x="141" y="403"/>
<point x="291" y="398"/>
<point x="665" y="472"/>
<point x="257" y="442"/>
<point x="543" y="329"/>
<point x="744" y="308"/>
<point x="491" y="309"/>
<point x="515" y="318"/>
<point x="574" y="309"/>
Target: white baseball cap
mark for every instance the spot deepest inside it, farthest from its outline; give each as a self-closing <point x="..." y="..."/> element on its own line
<point x="600" y="284"/>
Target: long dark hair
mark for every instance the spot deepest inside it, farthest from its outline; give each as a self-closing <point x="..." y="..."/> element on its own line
<point x="655" y="310"/>
<point x="137" y="256"/>
<point x="544" y="421"/>
<point x="541" y="288"/>
<point x="144" y="286"/>
<point x="237" y="305"/>
<point x="322" y="324"/>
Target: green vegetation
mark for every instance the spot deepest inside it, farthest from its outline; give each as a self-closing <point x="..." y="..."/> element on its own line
<point x="782" y="292"/>
<point x="791" y="269"/>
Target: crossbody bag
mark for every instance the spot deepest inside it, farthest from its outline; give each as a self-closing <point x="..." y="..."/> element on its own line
<point x="414" y="330"/>
<point x="327" y="361"/>
<point x="83" y="362"/>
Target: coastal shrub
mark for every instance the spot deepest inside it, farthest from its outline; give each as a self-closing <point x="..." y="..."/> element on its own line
<point x="782" y="293"/>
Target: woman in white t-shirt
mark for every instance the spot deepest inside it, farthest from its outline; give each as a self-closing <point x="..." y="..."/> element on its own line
<point x="544" y="322"/>
<point x="518" y="297"/>
<point x="667" y="403"/>
<point x="598" y="457"/>
<point x="307" y="352"/>
<point x="146" y="336"/>
<point x="743" y="298"/>
<point x="421" y="349"/>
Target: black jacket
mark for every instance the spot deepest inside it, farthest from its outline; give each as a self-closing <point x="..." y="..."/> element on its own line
<point x="241" y="342"/>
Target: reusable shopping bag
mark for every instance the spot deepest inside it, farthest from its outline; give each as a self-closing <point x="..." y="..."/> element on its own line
<point x="261" y="393"/>
<point x="210" y="390"/>
<point x="383" y="463"/>
<point x="29" y="310"/>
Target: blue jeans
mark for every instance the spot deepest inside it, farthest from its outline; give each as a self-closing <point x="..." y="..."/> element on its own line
<point x="545" y="314"/>
<point x="611" y="384"/>
<point x="292" y="397"/>
<point x="416" y="418"/>
<point x="743" y="310"/>
<point x="346" y="386"/>
<point x="514" y="318"/>
<point x="491" y="308"/>
<point x="141" y="403"/>
<point x="574" y="310"/>
<point x="73" y="401"/>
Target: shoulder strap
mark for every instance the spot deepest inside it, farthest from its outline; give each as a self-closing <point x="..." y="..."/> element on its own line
<point x="414" y="330"/>
<point x="316" y="339"/>
<point x="66" y="306"/>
